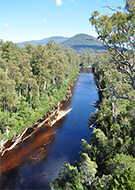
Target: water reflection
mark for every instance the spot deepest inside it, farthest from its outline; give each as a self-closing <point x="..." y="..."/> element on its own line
<point x="33" y="150"/>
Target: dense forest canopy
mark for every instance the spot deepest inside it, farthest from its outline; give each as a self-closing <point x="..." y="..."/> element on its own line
<point x="107" y="162"/>
<point x="34" y="78"/>
<point x="32" y="81"/>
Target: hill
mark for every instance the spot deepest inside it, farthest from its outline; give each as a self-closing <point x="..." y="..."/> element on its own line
<point x="57" y="39"/>
<point x="83" y="43"/>
<point x="78" y="43"/>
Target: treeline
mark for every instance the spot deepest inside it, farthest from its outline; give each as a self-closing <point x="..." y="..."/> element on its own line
<point x="32" y="80"/>
<point x="108" y="161"/>
<point x="86" y="59"/>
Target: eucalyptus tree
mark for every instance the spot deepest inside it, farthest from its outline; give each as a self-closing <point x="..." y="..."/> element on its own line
<point x="51" y="65"/>
<point x="8" y="96"/>
<point x="83" y="58"/>
<point x="59" y="65"/>
<point x="33" y="90"/>
<point x="26" y="72"/>
<point x="90" y="58"/>
<point x="68" y="67"/>
<point x="11" y="58"/>
<point x="29" y="49"/>
<point x="6" y="49"/>
<point x="117" y="32"/>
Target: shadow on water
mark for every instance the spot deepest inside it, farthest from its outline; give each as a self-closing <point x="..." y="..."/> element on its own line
<point x="37" y="161"/>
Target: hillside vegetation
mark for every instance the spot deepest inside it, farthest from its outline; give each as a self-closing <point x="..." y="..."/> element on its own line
<point x="83" y="43"/>
<point x="80" y="43"/>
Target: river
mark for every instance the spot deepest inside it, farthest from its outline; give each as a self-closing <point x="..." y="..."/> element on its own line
<point x="37" y="161"/>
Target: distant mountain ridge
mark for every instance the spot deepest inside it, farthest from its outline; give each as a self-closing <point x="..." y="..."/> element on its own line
<point x="80" y="43"/>
<point x="83" y="43"/>
<point x="57" y="39"/>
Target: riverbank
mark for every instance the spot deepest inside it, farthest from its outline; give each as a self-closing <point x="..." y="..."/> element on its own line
<point x="109" y="156"/>
<point x="38" y="160"/>
<point x="49" y="119"/>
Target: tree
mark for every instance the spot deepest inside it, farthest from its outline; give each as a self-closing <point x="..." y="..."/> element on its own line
<point x="6" y="53"/>
<point x="117" y="32"/>
<point x="59" y="66"/>
<point x="75" y="177"/>
<point x="33" y="90"/>
<point x="83" y="59"/>
<point x="122" y="168"/>
<point x="8" y="94"/>
<point x="25" y="72"/>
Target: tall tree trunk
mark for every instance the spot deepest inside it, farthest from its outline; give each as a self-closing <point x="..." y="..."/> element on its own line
<point x="38" y="91"/>
<point x="30" y="100"/>
<point x="27" y="89"/>
<point x="4" y="106"/>
<point x="20" y="90"/>
<point x="44" y="85"/>
<point x="57" y="80"/>
<point x="6" y="71"/>
<point x="113" y="109"/>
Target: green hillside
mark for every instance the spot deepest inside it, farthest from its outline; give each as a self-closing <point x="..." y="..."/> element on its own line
<point x="80" y="43"/>
<point x="83" y="43"/>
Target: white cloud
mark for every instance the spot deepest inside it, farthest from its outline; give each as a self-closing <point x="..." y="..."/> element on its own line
<point x="18" y="36"/>
<point x="5" y="24"/>
<point x="45" y="20"/>
<point x="70" y="1"/>
<point x="59" y="2"/>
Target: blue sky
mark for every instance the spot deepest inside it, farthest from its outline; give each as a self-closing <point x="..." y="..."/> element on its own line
<point x="24" y="20"/>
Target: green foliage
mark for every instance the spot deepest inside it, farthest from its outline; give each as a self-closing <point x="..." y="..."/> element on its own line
<point x="120" y="163"/>
<point x="32" y="81"/>
<point x="70" y="180"/>
<point x="75" y="177"/>
<point x="122" y="174"/>
<point x="86" y="59"/>
<point x="117" y="33"/>
<point x="108" y="160"/>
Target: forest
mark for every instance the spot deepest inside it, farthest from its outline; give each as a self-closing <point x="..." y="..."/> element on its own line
<point x="33" y="79"/>
<point x="107" y="161"/>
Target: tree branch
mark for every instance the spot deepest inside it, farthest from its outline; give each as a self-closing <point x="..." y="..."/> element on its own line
<point x="114" y="93"/>
<point x="112" y="9"/>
